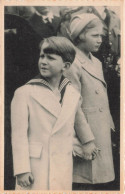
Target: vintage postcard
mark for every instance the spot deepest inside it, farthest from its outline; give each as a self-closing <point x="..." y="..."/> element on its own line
<point x="62" y="96"/>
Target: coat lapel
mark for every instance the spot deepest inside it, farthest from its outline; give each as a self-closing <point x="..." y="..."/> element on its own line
<point x="45" y="97"/>
<point x="92" y="66"/>
<point x="70" y="102"/>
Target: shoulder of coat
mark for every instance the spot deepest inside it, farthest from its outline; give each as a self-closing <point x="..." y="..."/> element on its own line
<point x="111" y="12"/>
<point x="96" y="60"/>
<point x="77" y="62"/>
<point x="113" y="16"/>
<point x="23" y="90"/>
<point x="73" y="90"/>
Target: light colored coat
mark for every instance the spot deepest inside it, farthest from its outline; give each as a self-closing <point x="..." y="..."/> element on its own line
<point x="42" y="133"/>
<point x="87" y="77"/>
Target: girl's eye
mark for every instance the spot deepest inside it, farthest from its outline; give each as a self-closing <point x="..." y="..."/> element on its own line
<point x="98" y="35"/>
<point x="95" y="35"/>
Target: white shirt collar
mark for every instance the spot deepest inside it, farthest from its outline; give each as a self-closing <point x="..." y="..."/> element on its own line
<point x="49" y="16"/>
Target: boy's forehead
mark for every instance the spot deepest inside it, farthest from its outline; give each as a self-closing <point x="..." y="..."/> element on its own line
<point x="44" y="45"/>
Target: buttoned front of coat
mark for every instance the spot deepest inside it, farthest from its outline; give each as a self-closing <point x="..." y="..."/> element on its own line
<point x="42" y="134"/>
<point x="87" y="77"/>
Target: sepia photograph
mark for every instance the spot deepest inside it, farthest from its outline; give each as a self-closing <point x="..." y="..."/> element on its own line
<point x="62" y="89"/>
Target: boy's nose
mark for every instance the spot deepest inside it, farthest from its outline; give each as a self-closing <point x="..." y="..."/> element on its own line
<point x="43" y="61"/>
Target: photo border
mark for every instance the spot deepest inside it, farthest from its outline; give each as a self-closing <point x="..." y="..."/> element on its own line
<point x="122" y="103"/>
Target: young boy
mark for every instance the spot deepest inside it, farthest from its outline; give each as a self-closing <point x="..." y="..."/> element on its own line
<point x="42" y="117"/>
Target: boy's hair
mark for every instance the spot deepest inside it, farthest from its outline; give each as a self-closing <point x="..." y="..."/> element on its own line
<point x="60" y="46"/>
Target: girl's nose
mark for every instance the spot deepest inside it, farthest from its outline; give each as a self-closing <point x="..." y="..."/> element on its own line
<point x="99" y="39"/>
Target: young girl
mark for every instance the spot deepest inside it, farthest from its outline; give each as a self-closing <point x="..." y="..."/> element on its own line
<point x="87" y="76"/>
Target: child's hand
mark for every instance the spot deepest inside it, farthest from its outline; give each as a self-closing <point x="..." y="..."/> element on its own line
<point x="95" y="153"/>
<point x="89" y="151"/>
<point x="25" y="179"/>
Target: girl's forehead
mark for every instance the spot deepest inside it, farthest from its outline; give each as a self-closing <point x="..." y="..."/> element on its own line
<point x="96" y="29"/>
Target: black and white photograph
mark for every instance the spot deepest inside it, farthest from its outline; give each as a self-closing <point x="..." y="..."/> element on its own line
<point x="62" y="97"/>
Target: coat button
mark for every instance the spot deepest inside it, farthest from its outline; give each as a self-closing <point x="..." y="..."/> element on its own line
<point x="108" y="59"/>
<point x="101" y="109"/>
<point x="53" y="179"/>
<point x="90" y="10"/>
<point x="97" y="91"/>
<point x="69" y="134"/>
<point x="53" y="154"/>
<point x="69" y="153"/>
<point x="110" y="43"/>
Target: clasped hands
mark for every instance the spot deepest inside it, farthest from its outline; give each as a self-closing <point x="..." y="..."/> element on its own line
<point x="87" y="151"/>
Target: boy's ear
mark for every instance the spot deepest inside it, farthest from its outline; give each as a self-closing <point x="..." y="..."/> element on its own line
<point x="66" y="65"/>
<point x="82" y="36"/>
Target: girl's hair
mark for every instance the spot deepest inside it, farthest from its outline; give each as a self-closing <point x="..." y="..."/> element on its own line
<point x="92" y="24"/>
<point x="60" y="46"/>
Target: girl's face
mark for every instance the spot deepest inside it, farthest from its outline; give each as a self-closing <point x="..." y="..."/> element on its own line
<point x="92" y="39"/>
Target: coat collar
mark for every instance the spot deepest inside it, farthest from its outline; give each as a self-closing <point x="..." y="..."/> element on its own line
<point x="43" y="98"/>
<point x="70" y="103"/>
<point x="40" y="80"/>
<point x="62" y="113"/>
<point x="93" y="66"/>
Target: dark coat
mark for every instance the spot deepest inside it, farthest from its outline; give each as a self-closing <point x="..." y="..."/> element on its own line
<point x="43" y="29"/>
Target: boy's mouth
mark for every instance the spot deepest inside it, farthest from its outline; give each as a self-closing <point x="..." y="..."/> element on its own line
<point x="44" y="68"/>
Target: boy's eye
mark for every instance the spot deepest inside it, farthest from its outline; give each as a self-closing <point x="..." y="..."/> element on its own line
<point x="42" y="56"/>
<point x="50" y="57"/>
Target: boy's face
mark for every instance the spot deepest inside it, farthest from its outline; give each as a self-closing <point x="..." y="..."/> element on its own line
<point x="92" y="39"/>
<point x="50" y="65"/>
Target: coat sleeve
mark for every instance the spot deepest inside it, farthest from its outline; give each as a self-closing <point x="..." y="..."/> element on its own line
<point x="19" y="127"/>
<point x="82" y="128"/>
<point x="74" y="75"/>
